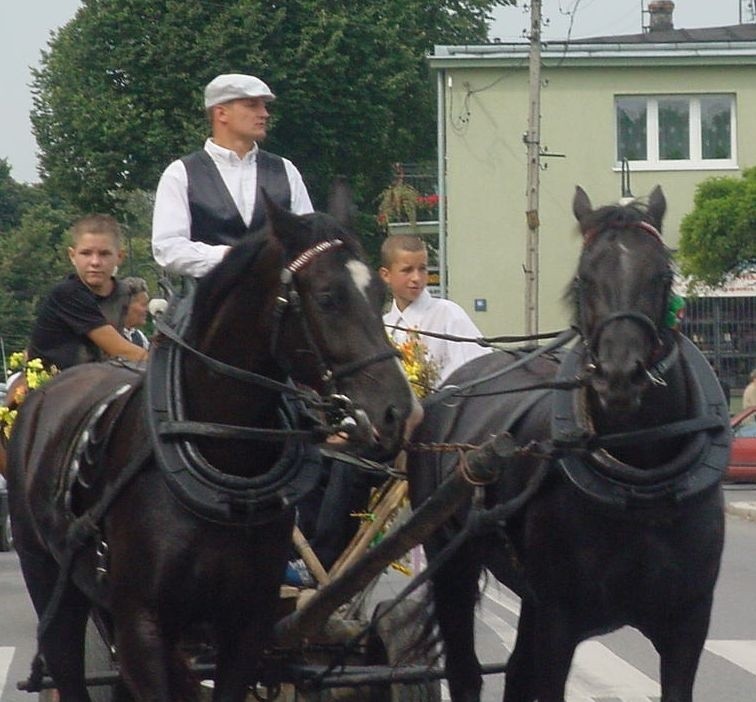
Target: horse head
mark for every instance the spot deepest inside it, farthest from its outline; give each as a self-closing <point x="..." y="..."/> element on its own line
<point x="622" y="292"/>
<point x="308" y="307"/>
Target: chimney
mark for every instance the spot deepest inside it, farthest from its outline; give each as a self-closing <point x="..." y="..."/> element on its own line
<point x="660" y="15"/>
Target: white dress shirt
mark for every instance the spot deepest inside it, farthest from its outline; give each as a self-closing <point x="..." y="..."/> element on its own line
<point x="172" y="246"/>
<point x="440" y="316"/>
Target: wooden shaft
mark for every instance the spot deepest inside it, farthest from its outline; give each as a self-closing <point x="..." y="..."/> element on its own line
<point x="302" y="624"/>
<point x="483" y="463"/>
<point x="309" y="557"/>
<point x="384" y="510"/>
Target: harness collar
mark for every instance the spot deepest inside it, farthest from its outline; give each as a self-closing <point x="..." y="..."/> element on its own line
<point x="608" y="482"/>
<point x="196" y="484"/>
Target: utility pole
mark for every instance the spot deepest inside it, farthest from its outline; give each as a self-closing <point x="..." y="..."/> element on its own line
<point x="533" y="142"/>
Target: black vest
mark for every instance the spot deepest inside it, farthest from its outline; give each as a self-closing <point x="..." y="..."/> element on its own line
<point x="215" y="217"/>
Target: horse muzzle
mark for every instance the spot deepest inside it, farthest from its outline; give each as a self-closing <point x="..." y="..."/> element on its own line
<point x="620" y="394"/>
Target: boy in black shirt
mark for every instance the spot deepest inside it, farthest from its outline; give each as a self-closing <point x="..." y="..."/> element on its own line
<point x="82" y="317"/>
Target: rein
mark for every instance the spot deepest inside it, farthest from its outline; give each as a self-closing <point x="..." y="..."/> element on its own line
<point x="486" y="341"/>
<point x="456" y="390"/>
<point x="230" y="371"/>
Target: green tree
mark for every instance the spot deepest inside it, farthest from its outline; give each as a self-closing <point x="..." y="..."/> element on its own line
<point x="119" y="91"/>
<point x="15" y="198"/>
<point x="32" y="259"/>
<point x="718" y="237"/>
<point x="135" y="207"/>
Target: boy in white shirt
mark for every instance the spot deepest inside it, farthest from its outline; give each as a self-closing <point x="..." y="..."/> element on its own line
<point x="404" y="269"/>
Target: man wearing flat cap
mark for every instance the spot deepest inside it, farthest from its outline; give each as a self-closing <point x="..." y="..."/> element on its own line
<point x="210" y="198"/>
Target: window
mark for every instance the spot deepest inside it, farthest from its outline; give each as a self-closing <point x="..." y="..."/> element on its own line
<point x="676" y="131"/>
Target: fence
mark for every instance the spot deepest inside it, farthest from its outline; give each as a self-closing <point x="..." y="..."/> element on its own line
<point x="724" y="328"/>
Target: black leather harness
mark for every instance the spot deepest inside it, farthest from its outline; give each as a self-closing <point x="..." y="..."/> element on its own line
<point x="586" y="460"/>
<point x="195" y="483"/>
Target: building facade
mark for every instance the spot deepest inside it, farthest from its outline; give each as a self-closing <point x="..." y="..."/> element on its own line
<point x="679" y="105"/>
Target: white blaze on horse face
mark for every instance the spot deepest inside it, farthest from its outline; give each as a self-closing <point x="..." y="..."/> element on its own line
<point x="361" y="276"/>
<point x="625" y="259"/>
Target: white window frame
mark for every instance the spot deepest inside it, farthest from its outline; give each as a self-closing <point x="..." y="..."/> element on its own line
<point x="696" y="161"/>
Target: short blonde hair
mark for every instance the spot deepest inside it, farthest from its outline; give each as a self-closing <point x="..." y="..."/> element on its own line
<point x="97" y="224"/>
<point x="400" y="242"/>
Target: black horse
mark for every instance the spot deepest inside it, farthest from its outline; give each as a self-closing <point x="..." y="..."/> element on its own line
<point x="168" y="501"/>
<point x="625" y="522"/>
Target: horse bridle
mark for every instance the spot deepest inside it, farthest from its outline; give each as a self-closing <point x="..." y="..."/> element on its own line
<point x="337" y="407"/>
<point x="660" y="364"/>
<point x="289" y="298"/>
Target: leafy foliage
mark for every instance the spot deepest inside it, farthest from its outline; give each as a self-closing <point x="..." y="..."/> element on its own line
<point x="14" y="198"/>
<point x="398" y="202"/>
<point x="32" y="259"/>
<point x="136" y="221"/>
<point x="719" y="236"/>
<point x="119" y="93"/>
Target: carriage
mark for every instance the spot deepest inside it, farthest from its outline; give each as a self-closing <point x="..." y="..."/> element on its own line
<point x="146" y="501"/>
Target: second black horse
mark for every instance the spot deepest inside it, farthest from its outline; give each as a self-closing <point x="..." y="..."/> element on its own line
<point x="625" y="523"/>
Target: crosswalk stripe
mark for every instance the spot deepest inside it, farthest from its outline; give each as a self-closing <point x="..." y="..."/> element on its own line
<point x="6" y="656"/>
<point x="741" y="653"/>
<point x="605" y="674"/>
<point x="617" y="678"/>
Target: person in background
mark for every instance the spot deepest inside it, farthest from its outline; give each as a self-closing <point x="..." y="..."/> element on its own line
<point x="749" y="394"/>
<point x="81" y="319"/>
<point x="209" y="199"/>
<point x="404" y="269"/>
<point x="136" y="312"/>
<point x="326" y="515"/>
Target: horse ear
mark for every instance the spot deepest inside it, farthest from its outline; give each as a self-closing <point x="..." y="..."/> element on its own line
<point x="284" y="225"/>
<point x="340" y="204"/>
<point x="581" y="205"/>
<point x="657" y="206"/>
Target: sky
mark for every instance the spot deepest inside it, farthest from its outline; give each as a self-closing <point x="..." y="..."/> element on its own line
<point x="25" y="29"/>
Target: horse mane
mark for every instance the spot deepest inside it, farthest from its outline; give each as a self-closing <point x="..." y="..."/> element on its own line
<point x="614" y="217"/>
<point x="214" y="287"/>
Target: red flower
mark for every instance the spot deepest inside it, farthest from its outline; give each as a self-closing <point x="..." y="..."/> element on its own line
<point x="427" y="201"/>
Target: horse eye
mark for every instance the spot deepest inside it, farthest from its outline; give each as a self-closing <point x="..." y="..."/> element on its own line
<point x="326" y="301"/>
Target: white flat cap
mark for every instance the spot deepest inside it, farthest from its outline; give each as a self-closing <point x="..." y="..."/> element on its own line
<point x="233" y="86"/>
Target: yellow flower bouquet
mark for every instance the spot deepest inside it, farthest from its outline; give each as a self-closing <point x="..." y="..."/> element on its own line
<point x="35" y="375"/>
<point x="418" y="365"/>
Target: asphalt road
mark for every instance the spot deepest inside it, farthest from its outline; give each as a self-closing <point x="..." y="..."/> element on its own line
<point x="620" y="667"/>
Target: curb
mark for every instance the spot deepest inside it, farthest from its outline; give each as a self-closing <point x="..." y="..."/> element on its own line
<point x="746" y="510"/>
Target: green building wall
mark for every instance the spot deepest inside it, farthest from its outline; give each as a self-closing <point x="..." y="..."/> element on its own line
<point x="485" y="118"/>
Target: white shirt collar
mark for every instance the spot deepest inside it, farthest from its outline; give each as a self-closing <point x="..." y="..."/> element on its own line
<point x="411" y="312"/>
<point x="224" y="155"/>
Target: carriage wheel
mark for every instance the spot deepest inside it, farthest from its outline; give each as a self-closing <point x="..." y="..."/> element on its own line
<point x="395" y="632"/>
